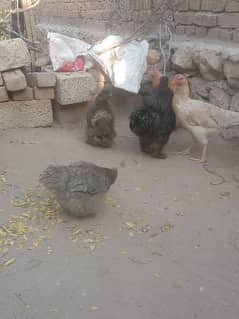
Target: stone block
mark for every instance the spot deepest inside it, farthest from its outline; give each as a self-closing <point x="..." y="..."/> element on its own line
<point x="231" y="53"/>
<point x="184" y="17"/>
<point x="220" y="34"/>
<point x="183" y="5"/>
<point x="231" y="71"/>
<point x="231" y="134"/>
<point x="201" y="31"/>
<point x="44" y="93"/>
<point x="14" y="80"/>
<point x="1" y="80"/>
<point x="24" y="95"/>
<point x="213" y="5"/>
<point x="25" y="114"/>
<point x="3" y="94"/>
<point x="194" y="5"/>
<point x="235" y="37"/>
<point x="13" y="54"/>
<point x="212" y="59"/>
<point x="185" y="30"/>
<point x="41" y="79"/>
<point x="205" y="19"/>
<point x="42" y="61"/>
<point x="235" y="103"/>
<point x="229" y="20"/>
<point x="220" y="98"/>
<point x="182" y="60"/>
<point x="232" y="6"/>
<point x="76" y="87"/>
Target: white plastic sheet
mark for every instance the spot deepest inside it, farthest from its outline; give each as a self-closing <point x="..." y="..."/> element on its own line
<point x="125" y="64"/>
<point x="64" y="49"/>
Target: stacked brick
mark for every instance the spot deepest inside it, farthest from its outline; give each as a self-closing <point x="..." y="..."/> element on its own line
<point x="213" y="18"/>
<point x="25" y="98"/>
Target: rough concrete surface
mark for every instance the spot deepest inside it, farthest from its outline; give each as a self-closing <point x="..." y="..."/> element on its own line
<point x="3" y="94"/>
<point x="74" y="87"/>
<point x="13" y="54"/>
<point x="14" y="80"/>
<point x="25" y="114"/>
<point x="41" y="79"/>
<point x="172" y="250"/>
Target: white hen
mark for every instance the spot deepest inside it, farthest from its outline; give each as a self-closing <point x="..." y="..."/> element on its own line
<point x="201" y="119"/>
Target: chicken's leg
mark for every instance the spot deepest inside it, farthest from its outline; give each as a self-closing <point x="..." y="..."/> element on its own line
<point x="204" y="154"/>
<point x="187" y="151"/>
<point x="203" y="158"/>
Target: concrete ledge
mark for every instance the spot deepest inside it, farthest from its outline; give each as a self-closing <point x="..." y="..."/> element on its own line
<point x="26" y="114"/>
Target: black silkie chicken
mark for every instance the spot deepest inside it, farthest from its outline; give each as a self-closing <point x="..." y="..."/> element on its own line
<point x="100" y="129"/>
<point x="155" y="121"/>
<point x="80" y="187"/>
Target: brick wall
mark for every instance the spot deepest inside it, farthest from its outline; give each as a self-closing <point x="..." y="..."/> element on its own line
<point x="105" y="13"/>
<point x="214" y="18"/>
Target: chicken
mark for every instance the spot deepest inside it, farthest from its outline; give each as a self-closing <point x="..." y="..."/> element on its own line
<point x="201" y="119"/>
<point x="79" y="187"/>
<point x="155" y="121"/>
<point x="100" y="122"/>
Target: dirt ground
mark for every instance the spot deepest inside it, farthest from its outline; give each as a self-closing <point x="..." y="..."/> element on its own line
<point x="166" y="246"/>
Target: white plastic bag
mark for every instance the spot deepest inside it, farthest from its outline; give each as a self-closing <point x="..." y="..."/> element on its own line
<point x="125" y="65"/>
<point x="66" y="49"/>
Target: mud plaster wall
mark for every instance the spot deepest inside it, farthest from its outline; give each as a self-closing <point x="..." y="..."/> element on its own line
<point x="213" y="18"/>
<point x="98" y="13"/>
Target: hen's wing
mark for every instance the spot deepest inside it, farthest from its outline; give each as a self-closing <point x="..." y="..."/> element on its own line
<point x="89" y="178"/>
<point x="199" y="113"/>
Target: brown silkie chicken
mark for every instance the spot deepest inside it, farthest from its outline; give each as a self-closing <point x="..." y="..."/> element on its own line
<point x="201" y="119"/>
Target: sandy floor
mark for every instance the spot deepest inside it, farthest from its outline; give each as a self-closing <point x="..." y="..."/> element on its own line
<point x="166" y="246"/>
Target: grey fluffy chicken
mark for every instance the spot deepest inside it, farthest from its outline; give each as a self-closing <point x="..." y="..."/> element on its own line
<point x="156" y="120"/>
<point x="100" y="129"/>
<point x="79" y="187"/>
